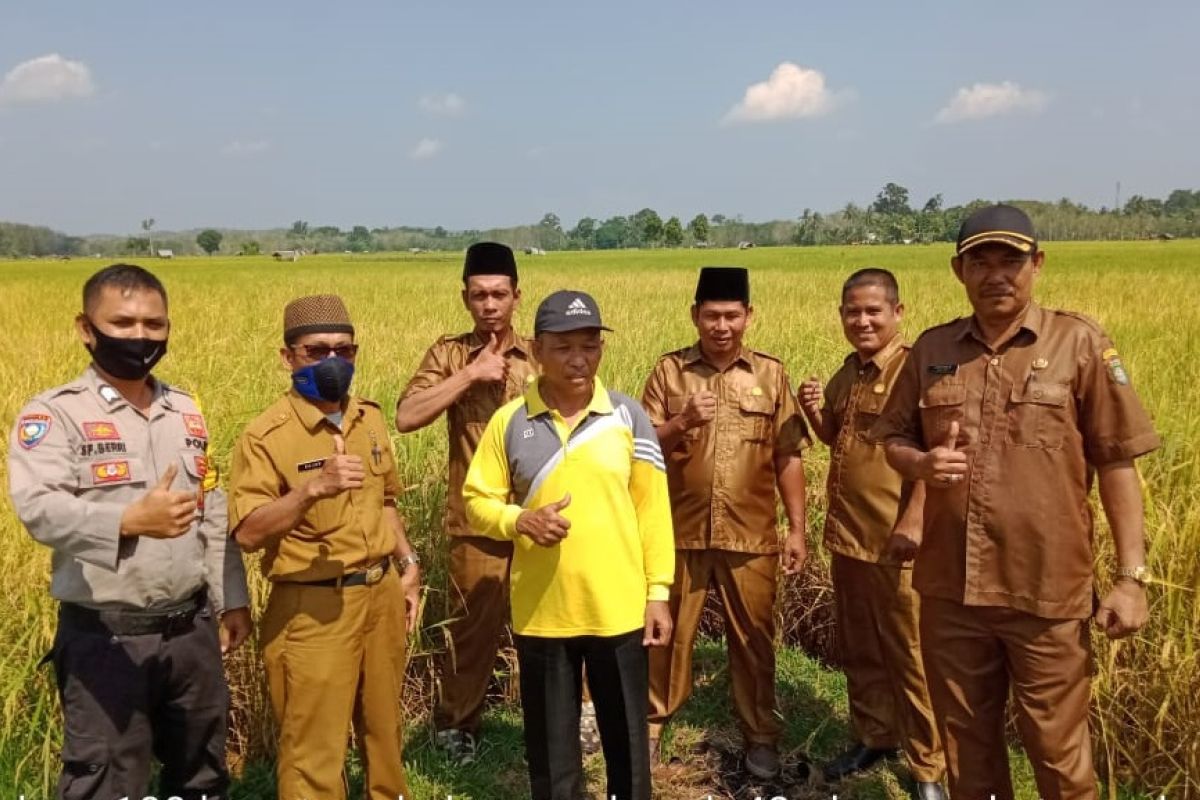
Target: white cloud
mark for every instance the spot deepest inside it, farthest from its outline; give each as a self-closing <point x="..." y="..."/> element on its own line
<point x="444" y="105"/>
<point x="426" y="149"/>
<point x="46" y="79"/>
<point x="240" y="148"/>
<point x="983" y="100"/>
<point x="792" y="92"/>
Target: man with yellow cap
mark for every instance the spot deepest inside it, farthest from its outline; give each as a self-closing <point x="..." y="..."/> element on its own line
<point x="731" y="433"/>
<point x="468" y="376"/>
<point x="314" y="486"/>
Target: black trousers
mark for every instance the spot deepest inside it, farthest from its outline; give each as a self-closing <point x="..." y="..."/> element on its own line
<point x="129" y="699"/>
<point x="551" y="693"/>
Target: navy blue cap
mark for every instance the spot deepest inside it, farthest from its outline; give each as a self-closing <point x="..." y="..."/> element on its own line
<point x="567" y="310"/>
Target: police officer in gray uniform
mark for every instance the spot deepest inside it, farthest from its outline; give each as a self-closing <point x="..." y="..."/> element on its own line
<point x="111" y="471"/>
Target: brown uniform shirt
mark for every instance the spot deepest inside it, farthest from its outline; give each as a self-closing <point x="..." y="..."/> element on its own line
<point x="722" y="475"/>
<point x="79" y="455"/>
<point x="468" y="416"/>
<point x="864" y="492"/>
<point x="1036" y="416"/>
<point x="284" y="448"/>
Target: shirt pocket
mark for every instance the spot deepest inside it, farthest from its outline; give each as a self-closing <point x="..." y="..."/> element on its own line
<point x="1038" y="414"/>
<point x="941" y="404"/>
<point x="866" y="412"/>
<point x="758" y="414"/>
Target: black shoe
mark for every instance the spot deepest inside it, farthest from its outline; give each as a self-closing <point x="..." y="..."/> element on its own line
<point x="929" y="790"/>
<point x="856" y="759"/>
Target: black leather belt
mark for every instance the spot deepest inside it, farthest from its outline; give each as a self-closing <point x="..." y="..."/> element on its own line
<point x="368" y="577"/>
<point x="131" y="623"/>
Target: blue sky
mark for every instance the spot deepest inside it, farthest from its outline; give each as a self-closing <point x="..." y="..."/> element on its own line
<point x="254" y="114"/>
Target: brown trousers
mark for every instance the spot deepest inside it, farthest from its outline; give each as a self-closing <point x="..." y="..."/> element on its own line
<point x="478" y="612"/>
<point x="336" y="657"/>
<point x="973" y="655"/>
<point x="877" y="619"/>
<point x="745" y="583"/>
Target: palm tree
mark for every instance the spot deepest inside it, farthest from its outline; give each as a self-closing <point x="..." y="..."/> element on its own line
<point x="147" y="224"/>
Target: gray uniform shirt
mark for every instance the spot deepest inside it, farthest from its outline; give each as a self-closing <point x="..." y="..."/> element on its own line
<point x="78" y="456"/>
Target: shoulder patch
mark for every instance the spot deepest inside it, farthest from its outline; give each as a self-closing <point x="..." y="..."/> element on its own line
<point x="32" y="429"/>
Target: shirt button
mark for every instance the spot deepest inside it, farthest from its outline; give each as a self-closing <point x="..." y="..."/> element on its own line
<point x="995" y="362"/>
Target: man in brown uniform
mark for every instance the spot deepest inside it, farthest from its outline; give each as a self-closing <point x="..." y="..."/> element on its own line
<point x="111" y="472"/>
<point x="469" y="376"/>
<point x="314" y="485"/>
<point x="731" y="432"/>
<point x="1008" y="416"/>
<point x="877" y="609"/>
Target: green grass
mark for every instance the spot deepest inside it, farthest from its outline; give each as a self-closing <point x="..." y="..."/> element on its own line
<point x="226" y="317"/>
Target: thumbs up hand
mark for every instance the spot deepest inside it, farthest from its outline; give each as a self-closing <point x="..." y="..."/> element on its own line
<point x="546" y="525"/>
<point x="489" y="366"/>
<point x="339" y="473"/>
<point x="161" y="513"/>
<point x="944" y="465"/>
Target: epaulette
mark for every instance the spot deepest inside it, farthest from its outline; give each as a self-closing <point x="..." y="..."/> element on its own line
<point x="767" y="356"/>
<point x="170" y="387"/>
<point x="74" y="387"/>
<point x="365" y="402"/>
<point x="1090" y="323"/>
<point x="938" y="327"/>
<point x="265" y="423"/>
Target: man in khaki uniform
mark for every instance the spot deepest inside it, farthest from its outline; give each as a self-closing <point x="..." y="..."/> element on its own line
<point x="731" y="432"/>
<point x="877" y="609"/>
<point x="1008" y="416"/>
<point x="111" y="472"/>
<point x="314" y="485"/>
<point x="469" y="376"/>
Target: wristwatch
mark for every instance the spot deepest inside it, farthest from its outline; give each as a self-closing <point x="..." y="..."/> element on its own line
<point x="406" y="561"/>
<point x="1141" y="575"/>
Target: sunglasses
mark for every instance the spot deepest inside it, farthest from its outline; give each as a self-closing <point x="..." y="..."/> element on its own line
<point x="320" y="352"/>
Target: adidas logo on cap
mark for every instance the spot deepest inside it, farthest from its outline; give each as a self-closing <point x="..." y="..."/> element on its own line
<point x="577" y="307"/>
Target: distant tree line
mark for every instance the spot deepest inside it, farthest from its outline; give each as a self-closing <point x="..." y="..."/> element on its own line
<point x="892" y="218"/>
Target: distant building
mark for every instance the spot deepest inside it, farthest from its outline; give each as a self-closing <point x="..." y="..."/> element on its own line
<point x="745" y="245"/>
<point x="166" y="253"/>
<point x="534" y="251"/>
<point x="286" y="255"/>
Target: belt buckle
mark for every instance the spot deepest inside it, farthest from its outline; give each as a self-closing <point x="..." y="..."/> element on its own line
<point x="177" y="622"/>
<point x="374" y="574"/>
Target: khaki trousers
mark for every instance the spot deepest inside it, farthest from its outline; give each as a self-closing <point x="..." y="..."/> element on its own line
<point x="336" y="657"/>
<point x="877" y="621"/>
<point x="973" y="656"/>
<point x="745" y="583"/>
<point x="478" y="614"/>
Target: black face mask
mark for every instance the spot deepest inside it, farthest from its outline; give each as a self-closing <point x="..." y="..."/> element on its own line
<point x="328" y="379"/>
<point x="127" y="359"/>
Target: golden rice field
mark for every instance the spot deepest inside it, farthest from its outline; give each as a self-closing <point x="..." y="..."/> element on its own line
<point x="226" y="319"/>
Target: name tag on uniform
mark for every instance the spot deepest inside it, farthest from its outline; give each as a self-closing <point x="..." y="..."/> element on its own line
<point x="309" y="466"/>
<point x="943" y="369"/>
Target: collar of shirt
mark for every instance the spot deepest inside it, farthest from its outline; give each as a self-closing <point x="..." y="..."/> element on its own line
<point x="112" y="398"/>
<point x="695" y="355"/>
<point x="1032" y="319"/>
<point x="510" y="342"/>
<point x="881" y="357"/>
<point x="599" y="404"/>
<point x="313" y="418"/>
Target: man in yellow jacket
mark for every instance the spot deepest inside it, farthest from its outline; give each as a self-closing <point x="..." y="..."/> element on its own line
<point x="572" y="473"/>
